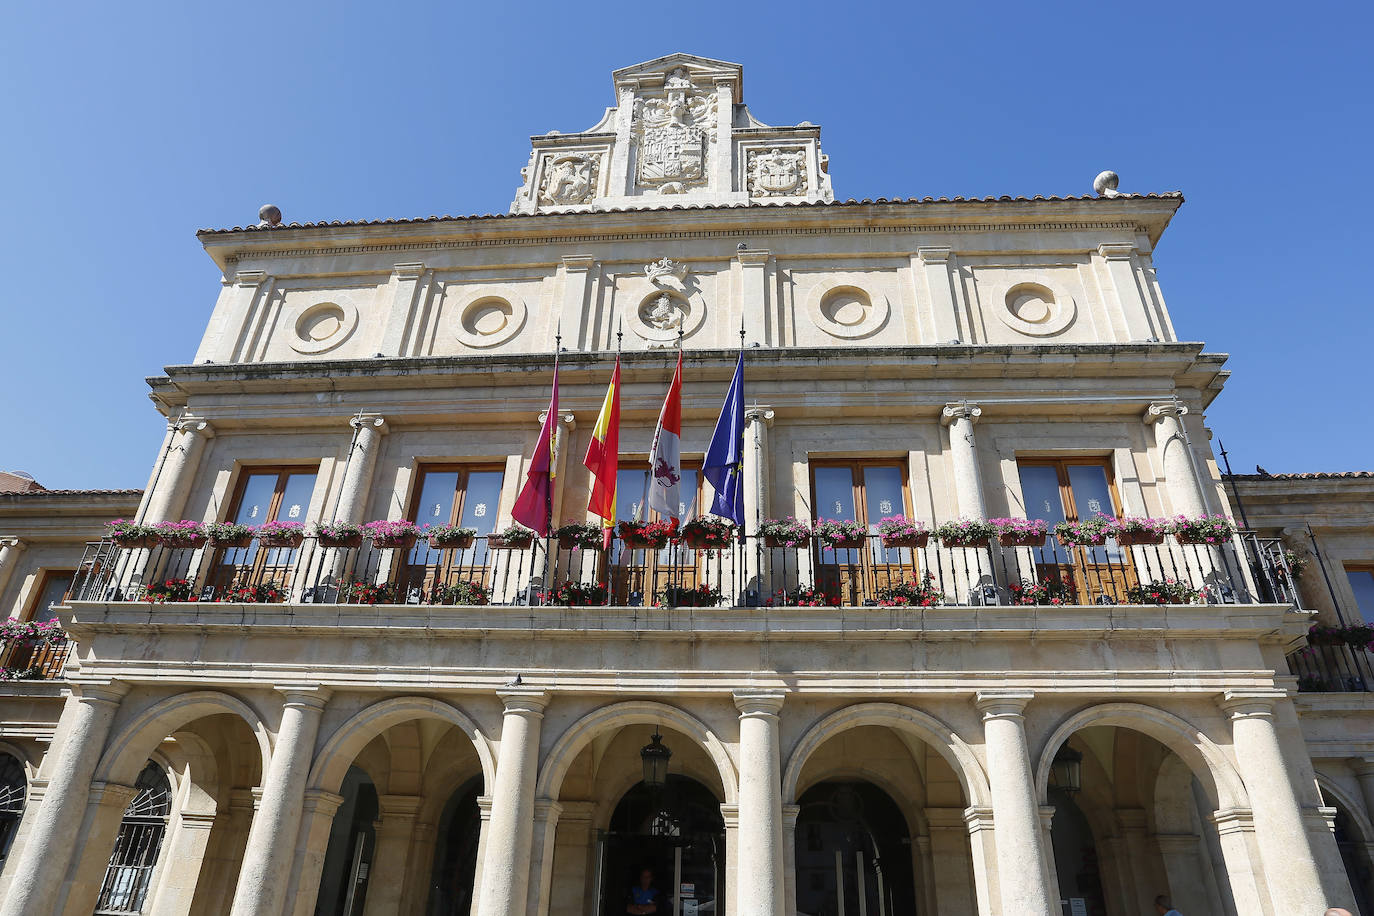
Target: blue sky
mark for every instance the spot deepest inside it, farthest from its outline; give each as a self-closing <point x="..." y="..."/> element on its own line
<point x="130" y="126"/>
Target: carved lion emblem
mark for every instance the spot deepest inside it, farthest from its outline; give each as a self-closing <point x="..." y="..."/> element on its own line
<point x="569" y="180"/>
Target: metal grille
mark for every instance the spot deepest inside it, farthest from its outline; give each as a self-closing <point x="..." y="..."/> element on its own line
<point x="13" y="786"/>
<point x="130" y="873"/>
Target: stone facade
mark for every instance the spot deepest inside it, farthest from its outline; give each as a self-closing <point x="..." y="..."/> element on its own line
<point x="311" y="752"/>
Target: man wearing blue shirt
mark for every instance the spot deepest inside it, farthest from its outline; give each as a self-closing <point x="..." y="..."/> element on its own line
<point x="643" y="897"/>
<point x="1164" y="907"/>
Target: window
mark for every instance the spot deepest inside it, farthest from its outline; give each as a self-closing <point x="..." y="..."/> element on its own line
<point x="1362" y="584"/>
<point x="464" y="495"/>
<point x="639" y="576"/>
<point x="13" y="791"/>
<point x="264" y="495"/>
<point x="130" y="872"/>
<point x="1076" y="489"/>
<point x="56" y="584"/>
<point x="867" y="492"/>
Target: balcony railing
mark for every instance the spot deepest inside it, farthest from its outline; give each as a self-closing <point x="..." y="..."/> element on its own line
<point x="33" y="659"/>
<point x="749" y="573"/>
<point x="1332" y="668"/>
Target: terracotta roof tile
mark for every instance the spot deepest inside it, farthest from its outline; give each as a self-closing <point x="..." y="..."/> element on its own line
<point x="1309" y="475"/>
<point x="1167" y="195"/>
<point x="39" y="494"/>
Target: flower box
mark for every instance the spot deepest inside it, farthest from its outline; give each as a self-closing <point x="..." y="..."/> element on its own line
<point x="510" y="541"/>
<point x="227" y="535"/>
<point x="708" y="533"/>
<point x="840" y="534"/>
<point x="183" y="535"/>
<point x="397" y="534"/>
<point x="341" y="540"/>
<point x="787" y="532"/>
<point x="704" y="540"/>
<point x="395" y="541"/>
<point x="1081" y="539"/>
<point x="1013" y="539"/>
<point x="650" y="536"/>
<point x="130" y="535"/>
<point x="1139" y="538"/>
<point x="1020" y="532"/>
<point x="236" y="542"/>
<point x="842" y="543"/>
<point x="1206" y="530"/>
<point x="282" y="539"/>
<point x="134" y="541"/>
<point x="914" y="541"/>
<point x="579" y="535"/>
<point x="966" y="533"/>
<point x="452" y="540"/>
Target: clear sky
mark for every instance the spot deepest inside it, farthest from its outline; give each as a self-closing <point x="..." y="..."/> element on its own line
<point x="129" y="126"/>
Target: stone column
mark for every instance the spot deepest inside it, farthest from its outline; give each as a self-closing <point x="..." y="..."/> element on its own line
<point x="730" y="815"/>
<point x="577" y="272"/>
<point x="48" y="848"/>
<point x="167" y="500"/>
<point x="946" y="326"/>
<point x="267" y="859"/>
<point x="1289" y="864"/>
<point x="506" y="871"/>
<point x="789" y="856"/>
<point x="182" y="863"/>
<point x="317" y="819"/>
<point x="1175" y="457"/>
<point x="963" y="449"/>
<point x="757" y="320"/>
<point x="951" y="870"/>
<point x="357" y="478"/>
<point x="10" y="549"/>
<point x="757" y="462"/>
<point x="1244" y="876"/>
<point x="386" y="878"/>
<point x="760" y="804"/>
<point x="546" y="815"/>
<point x="1185" y="859"/>
<point x="1020" y="844"/>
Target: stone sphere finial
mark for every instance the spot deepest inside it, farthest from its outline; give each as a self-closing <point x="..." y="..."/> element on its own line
<point x="1105" y="184"/>
<point x="269" y="216"/>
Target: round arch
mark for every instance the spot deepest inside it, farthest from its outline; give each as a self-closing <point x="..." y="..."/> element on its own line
<point x="1348" y="804"/>
<point x="913" y="812"/>
<point x="26" y="760"/>
<point x="1207" y="761"/>
<point x="633" y="712"/>
<point x="129" y="750"/>
<point x="929" y="729"/>
<point x="349" y="739"/>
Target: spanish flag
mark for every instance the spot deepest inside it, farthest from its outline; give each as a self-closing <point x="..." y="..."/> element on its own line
<point x="603" y="457"/>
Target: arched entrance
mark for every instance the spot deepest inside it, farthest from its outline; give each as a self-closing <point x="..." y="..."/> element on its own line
<point x="677" y="834"/>
<point x="352" y="847"/>
<point x="455" y="853"/>
<point x="129" y="876"/>
<point x="854" y="852"/>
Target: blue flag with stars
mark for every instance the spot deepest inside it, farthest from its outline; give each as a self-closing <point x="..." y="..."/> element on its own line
<point x="724" y="464"/>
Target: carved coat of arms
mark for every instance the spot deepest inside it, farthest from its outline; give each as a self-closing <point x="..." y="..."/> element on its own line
<point x="569" y="180"/>
<point x="777" y="173"/>
<point x="672" y="135"/>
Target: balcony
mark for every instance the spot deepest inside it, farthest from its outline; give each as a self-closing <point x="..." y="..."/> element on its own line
<point x="749" y="573"/>
<point x="26" y="655"/>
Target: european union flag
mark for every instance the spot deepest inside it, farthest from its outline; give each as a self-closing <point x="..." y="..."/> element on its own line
<point x="724" y="464"/>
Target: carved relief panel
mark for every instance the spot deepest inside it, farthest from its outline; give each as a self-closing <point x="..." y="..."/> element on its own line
<point x="673" y="134"/>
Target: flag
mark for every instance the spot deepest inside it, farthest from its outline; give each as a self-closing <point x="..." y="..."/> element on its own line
<point x="724" y="464"/>
<point x="603" y="456"/>
<point x="534" y="506"/>
<point x="665" y="455"/>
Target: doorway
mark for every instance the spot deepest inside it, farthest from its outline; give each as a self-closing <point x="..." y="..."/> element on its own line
<point x="853" y="853"/>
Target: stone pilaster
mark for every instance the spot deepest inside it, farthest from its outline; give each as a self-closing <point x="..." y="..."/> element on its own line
<point x="48" y="848"/>
<point x="963" y="449"/>
<point x="403" y="321"/>
<point x="546" y="816"/>
<point x="1020" y="836"/>
<point x="267" y="859"/>
<point x="386" y="880"/>
<point x="1290" y="867"/>
<point x="357" y="478"/>
<point x="10" y="549"/>
<point x="1135" y="321"/>
<point x="938" y="267"/>
<point x="789" y="856"/>
<point x="760" y="804"/>
<point x="506" y="871"/>
<point x="730" y="815"/>
<point x="317" y="819"/>
<point x="758" y="322"/>
<point x="577" y="273"/>
<point x="951" y="889"/>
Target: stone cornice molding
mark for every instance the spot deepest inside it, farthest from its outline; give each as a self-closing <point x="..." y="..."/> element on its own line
<point x="304" y="696"/>
<point x="759" y="414"/>
<point x="1002" y="704"/>
<point x="108" y="692"/>
<point x="759" y="703"/>
<point x="577" y="262"/>
<point x="753" y="257"/>
<point x="934" y="254"/>
<point x="946" y="818"/>
<point x="374" y="420"/>
<point x="112" y="793"/>
<point x="730" y="815"/>
<point x="547" y="810"/>
<point x="400" y="806"/>
<point x="960" y="410"/>
<point x="1116" y="251"/>
<point x="1233" y="820"/>
<point x="789" y="816"/>
<point x="248" y="278"/>
<point x="408" y="270"/>
<point x="321" y="801"/>
<point x="1158" y="410"/>
<point x="484" y="807"/>
<point x="1250" y="704"/>
<point x="197" y="820"/>
<point x="978" y="818"/>
<point x="528" y="703"/>
<point x="1047" y="816"/>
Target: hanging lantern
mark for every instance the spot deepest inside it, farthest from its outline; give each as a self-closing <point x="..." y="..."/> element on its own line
<point x="655" y="757"/>
<point x="1066" y="772"/>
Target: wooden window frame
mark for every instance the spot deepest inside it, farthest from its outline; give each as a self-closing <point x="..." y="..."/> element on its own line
<point x="856" y="465"/>
<point x="1358" y="568"/>
<point x="1062" y="465"/>
<point x="862" y="572"/>
<point x="47" y="576"/>
<point x="282" y="471"/>
<point x="223" y="574"/>
<point x="463" y="469"/>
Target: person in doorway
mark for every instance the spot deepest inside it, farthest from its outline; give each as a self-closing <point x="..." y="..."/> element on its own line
<point x="1164" y="907"/>
<point x="643" y="897"/>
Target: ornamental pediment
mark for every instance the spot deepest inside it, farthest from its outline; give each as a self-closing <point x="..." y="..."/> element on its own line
<point x="678" y="133"/>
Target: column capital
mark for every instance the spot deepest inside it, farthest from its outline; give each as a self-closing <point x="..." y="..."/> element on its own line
<point x="575" y="812"/>
<point x="1250" y="704"/>
<point x="369" y="421"/>
<point x="1116" y="251"/>
<point x="408" y="270"/>
<point x="789" y="816"/>
<point x="730" y="815"/>
<point x="960" y="410"/>
<point x="108" y="692"/>
<point x="762" y="703"/>
<point x="1002" y="704"/>
<point x="1233" y="820"/>
<point x="321" y="802"/>
<point x="566" y="419"/>
<point x="113" y="794"/>
<point x="197" y="820"/>
<point x="753" y="257"/>
<point x="250" y="277"/>
<point x="1047" y="816"/>
<point x="978" y="818"/>
<point x="578" y="262"/>
<point x="484" y="807"/>
<point x="946" y="818"/>
<point x="934" y="254"/>
<point x="195" y="426"/>
<point x="547" y="810"/>
<point x="13" y="543"/>
<point x="759" y="414"/>
<point x="305" y="696"/>
<point x="527" y="702"/>
<point x="398" y="806"/>
<point x="1158" y="410"/>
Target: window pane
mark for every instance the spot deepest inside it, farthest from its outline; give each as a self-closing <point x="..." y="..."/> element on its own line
<point x="296" y="497"/>
<point x="256" y="501"/>
<point x="53" y="589"/>
<point x="883" y="498"/>
<point x="435" y="505"/>
<point x="835" y="493"/>
<point x="481" y="499"/>
<point x="688" y="507"/>
<point x="1040" y="490"/>
<point x="1091" y="493"/>
<point x="1362" y="584"/>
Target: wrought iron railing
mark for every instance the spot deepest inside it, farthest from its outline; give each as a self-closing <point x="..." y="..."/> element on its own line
<point x="1332" y="668"/>
<point x="750" y="572"/>
<point x="33" y="659"/>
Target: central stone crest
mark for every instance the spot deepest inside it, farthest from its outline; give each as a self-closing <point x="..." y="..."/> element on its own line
<point x="672" y="133"/>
